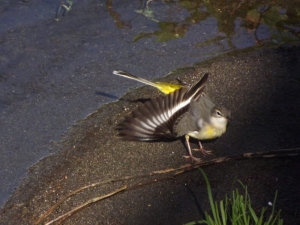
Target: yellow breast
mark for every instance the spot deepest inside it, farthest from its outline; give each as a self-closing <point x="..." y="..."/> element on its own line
<point x="207" y="132"/>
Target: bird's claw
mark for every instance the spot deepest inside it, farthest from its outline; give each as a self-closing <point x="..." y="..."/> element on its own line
<point x="194" y="159"/>
<point x="204" y="152"/>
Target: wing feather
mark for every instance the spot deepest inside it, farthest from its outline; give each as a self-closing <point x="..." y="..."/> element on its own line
<point x="156" y="119"/>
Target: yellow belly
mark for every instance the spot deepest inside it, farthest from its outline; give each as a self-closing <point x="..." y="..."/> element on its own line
<point x="207" y="132"/>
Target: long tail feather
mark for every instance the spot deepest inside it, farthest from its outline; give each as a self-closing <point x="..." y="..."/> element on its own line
<point x="130" y="76"/>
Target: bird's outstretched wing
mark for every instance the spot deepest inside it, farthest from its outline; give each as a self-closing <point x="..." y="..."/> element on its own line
<point x="155" y="119"/>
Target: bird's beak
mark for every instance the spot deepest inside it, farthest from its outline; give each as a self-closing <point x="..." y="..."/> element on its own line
<point x="229" y="117"/>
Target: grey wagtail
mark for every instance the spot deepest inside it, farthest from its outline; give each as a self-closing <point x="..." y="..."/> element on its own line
<point x="184" y="112"/>
<point x="164" y="87"/>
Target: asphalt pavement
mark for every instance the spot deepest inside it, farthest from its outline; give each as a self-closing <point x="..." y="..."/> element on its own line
<point x="260" y="87"/>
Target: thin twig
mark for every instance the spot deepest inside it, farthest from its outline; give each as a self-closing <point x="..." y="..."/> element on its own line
<point x="68" y="196"/>
<point x="93" y="200"/>
<point x="177" y="171"/>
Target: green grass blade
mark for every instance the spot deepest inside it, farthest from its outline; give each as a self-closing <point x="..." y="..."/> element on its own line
<point x="211" y="201"/>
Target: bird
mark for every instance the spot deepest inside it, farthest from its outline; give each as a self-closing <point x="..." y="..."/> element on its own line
<point x="186" y="112"/>
<point x="164" y="87"/>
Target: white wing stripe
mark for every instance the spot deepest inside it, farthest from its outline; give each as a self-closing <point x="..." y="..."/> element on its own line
<point x="159" y="118"/>
<point x="145" y="125"/>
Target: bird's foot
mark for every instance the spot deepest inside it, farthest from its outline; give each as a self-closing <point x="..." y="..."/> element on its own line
<point x="194" y="159"/>
<point x="204" y="152"/>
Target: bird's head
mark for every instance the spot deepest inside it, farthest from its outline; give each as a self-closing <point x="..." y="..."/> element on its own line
<point x="220" y="116"/>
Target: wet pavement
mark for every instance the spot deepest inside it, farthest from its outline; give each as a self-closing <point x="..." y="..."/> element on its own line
<point x="56" y="72"/>
<point x="263" y="93"/>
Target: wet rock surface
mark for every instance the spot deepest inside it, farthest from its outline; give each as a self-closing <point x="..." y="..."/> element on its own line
<point x="262" y="89"/>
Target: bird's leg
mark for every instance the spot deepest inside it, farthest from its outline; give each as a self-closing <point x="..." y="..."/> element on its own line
<point x="194" y="159"/>
<point x="201" y="149"/>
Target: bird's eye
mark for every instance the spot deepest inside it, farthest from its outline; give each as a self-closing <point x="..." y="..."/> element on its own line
<point x="219" y="113"/>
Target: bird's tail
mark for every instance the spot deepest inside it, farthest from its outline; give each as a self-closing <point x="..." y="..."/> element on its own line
<point x="164" y="87"/>
<point x="130" y="76"/>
